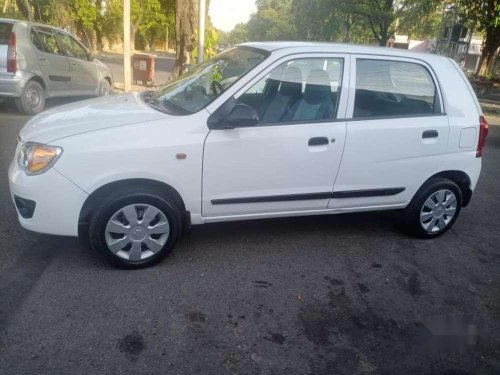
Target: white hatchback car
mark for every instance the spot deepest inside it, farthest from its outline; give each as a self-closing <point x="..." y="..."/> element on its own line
<point x="261" y="130"/>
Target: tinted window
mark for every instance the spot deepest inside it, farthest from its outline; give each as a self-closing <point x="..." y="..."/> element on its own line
<point x="72" y="47"/>
<point x="5" y="30"/>
<point x="45" y="40"/>
<point x="392" y="88"/>
<point x="301" y="90"/>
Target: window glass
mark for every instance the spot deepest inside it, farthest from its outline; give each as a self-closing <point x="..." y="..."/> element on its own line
<point x="45" y="41"/>
<point x="5" y="30"/>
<point x="72" y="47"/>
<point x="300" y="90"/>
<point x="206" y="82"/>
<point x="392" y="88"/>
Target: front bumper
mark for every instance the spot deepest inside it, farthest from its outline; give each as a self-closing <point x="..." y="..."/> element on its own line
<point x="57" y="201"/>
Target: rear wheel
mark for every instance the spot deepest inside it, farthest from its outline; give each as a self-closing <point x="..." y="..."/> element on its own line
<point x="32" y="100"/>
<point x="135" y="229"/>
<point x="434" y="209"/>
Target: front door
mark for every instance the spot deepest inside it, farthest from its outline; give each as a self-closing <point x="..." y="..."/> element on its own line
<point x="397" y="134"/>
<point x="289" y="160"/>
<point x="51" y="60"/>
<point x="83" y="71"/>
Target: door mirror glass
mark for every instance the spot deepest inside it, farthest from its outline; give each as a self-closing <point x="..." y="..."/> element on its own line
<point x="242" y="115"/>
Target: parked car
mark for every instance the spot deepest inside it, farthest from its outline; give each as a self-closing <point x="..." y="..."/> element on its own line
<point x="39" y="61"/>
<point x="262" y="130"/>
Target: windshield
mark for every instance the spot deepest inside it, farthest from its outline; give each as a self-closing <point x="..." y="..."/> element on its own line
<point x="199" y="87"/>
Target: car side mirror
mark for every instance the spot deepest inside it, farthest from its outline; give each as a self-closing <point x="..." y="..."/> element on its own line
<point x="242" y="115"/>
<point x="90" y="56"/>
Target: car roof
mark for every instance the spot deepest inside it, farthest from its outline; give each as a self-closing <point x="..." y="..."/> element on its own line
<point x="11" y="20"/>
<point x="305" y="47"/>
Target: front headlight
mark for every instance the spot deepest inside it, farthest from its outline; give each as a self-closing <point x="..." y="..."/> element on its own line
<point x="36" y="158"/>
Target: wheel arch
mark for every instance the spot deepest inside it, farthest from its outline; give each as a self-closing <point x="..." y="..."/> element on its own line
<point x="100" y="193"/>
<point x="463" y="181"/>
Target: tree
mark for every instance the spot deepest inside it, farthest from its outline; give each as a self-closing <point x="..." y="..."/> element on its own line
<point x="185" y="25"/>
<point x="483" y="16"/>
<point x="271" y="21"/>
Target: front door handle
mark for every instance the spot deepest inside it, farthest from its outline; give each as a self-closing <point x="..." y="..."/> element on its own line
<point x="430" y="134"/>
<point x="318" y="141"/>
<point x="43" y="59"/>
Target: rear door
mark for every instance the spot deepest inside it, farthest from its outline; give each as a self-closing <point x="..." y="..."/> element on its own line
<point x="84" y="79"/>
<point x="53" y="64"/>
<point x="5" y="31"/>
<point x="397" y="132"/>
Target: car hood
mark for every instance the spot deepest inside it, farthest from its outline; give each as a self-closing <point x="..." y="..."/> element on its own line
<point x="87" y="116"/>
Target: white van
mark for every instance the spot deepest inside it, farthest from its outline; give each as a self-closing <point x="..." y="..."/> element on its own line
<point x="262" y="130"/>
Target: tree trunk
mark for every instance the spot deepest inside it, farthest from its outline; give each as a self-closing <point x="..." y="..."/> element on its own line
<point x="490" y="50"/>
<point x="186" y="12"/>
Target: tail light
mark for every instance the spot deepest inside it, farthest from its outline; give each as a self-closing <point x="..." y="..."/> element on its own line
<point x="483" y="132"/>
<point x="11" y="54"/>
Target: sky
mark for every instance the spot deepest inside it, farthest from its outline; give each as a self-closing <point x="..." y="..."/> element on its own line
<point x="225" y="14"/>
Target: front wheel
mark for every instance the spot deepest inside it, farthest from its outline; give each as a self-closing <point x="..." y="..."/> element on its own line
<point x="135" y="229"/>
<point x="434" y="208"/>
<point x="105" y="88"/>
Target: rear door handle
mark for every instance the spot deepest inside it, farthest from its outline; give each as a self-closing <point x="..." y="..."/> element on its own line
<point x="318" y="141"/>
<point x="430" y="134"/>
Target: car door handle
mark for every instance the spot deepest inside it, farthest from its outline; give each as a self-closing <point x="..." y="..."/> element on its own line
<point x="43" y="59"/>
<point x="430" y="134"/>
<point x="318" y="141"/>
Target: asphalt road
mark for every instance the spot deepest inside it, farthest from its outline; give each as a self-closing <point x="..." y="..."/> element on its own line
<point x="344" y="294"/>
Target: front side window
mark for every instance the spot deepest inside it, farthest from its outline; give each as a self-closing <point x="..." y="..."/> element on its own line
<point x="72" y="47"/>
<point x="196" y="89"/>
<point x="386" y="88"/>
<point x="300" y="90"/>
<point x="45" y="41"/>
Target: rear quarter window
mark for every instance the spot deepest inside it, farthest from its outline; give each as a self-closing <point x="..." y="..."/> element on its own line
<point x="5" y="30"/>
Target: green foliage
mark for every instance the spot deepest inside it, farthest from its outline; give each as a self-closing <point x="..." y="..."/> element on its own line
<point x="338" y="20"/>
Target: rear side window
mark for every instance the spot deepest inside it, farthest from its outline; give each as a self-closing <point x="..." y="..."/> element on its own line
<point x="45" y="40"/>
<point x="386" y="88"/>
<point x="5" y="30"/>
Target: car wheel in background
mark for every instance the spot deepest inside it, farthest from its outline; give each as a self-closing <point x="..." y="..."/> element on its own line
<point x="104" y="88"/>
<point x="434" y="208"/>
<point x="32" y="100"/>
<point x="134" y="228"/>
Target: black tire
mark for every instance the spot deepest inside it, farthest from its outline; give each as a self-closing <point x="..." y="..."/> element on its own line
<point x="32" y="100"/>
<point x="412" y="213"/>
<point x="134" y="196"/>
<point x="105" y="88"/>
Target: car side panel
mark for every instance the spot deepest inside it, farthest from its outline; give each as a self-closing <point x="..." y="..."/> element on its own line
<point x="145" y="151"/>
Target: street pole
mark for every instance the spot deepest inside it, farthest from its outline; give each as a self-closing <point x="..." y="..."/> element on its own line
<point x="201" y="31"/>
<point x="126" y="45"/>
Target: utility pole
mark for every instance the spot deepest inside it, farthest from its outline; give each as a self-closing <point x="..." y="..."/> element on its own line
<point x="126" y="45"/>
<point x="201" y="30"/>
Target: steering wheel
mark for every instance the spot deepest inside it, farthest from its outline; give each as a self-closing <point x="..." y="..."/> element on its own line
<point x="392" y="97"/>
<point x="215" y="85"/>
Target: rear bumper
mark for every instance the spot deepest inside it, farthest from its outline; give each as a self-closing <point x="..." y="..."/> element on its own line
<point x="12" y="85"/>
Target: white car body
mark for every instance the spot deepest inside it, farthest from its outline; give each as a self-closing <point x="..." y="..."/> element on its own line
<point x="120" y="138"/>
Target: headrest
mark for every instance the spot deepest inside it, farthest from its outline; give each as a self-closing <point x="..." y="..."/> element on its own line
<point x="318" y="87"/>
<point x="291" y="83"/>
